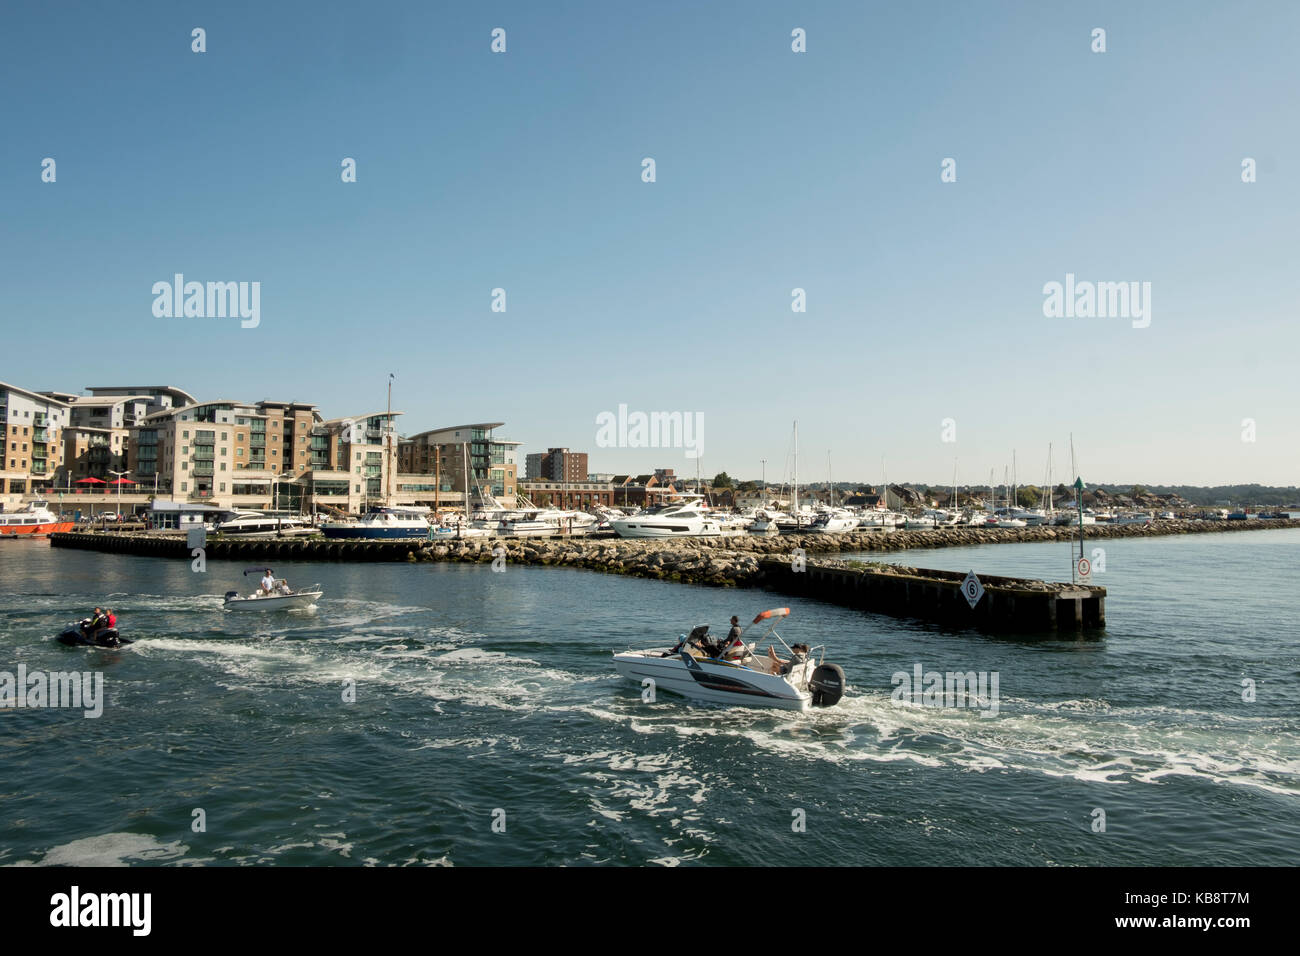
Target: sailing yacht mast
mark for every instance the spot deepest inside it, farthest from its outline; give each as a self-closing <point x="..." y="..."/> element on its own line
<point x="464" y="452"/>
<point x="390" y="462"/>
<point x="830" y="489"/>
<point x="1050" y="509"/>
<point x="795" y="509"/>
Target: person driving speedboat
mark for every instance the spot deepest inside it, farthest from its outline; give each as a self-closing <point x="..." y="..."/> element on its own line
<point x="268" y="582"/>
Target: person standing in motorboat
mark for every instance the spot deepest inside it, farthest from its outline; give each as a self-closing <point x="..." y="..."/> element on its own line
<point x="268" y="582"/>
<point x="733" y="648"/>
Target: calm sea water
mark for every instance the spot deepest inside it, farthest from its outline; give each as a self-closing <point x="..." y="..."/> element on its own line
<point x="484" y="696"/>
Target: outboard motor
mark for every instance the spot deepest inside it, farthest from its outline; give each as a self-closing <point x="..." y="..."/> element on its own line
<point x="230" y="594"/>
<point x="827" y="685"/>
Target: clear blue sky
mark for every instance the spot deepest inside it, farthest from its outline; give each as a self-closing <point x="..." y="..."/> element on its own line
<point x="775" y="170"/>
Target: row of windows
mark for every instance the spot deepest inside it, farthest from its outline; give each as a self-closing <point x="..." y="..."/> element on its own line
<point x="224" y="436"/>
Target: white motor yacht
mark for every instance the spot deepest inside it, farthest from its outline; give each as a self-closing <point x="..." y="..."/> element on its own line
<point x="833" y="521"/>
<point x="382" y="523"/>
<point x="685" y="518"/>
<point x="692" y="670"/>
<point x="255" y="522"/>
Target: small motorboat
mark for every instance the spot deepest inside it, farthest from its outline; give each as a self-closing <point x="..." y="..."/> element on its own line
<point x="692" y="670"/>
<point x="75" y="636"/>
<point x="279" y="597"/>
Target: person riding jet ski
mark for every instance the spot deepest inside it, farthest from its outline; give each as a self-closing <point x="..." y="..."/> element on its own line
<point x="96" y="622"/>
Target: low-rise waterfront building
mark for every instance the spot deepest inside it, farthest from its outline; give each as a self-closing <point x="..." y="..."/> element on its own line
<point x="568" y="494"/>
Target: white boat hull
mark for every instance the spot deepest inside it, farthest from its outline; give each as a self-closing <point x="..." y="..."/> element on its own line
<point x="274" y="602"/>
<point x="651" y="528"/>
<point x="715" y="681"/>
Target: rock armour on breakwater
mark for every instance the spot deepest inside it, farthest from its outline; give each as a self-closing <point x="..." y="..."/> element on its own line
<point x="958" y="537"/>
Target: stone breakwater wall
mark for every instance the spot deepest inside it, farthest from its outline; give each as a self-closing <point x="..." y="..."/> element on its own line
<point x="743" y="562"/>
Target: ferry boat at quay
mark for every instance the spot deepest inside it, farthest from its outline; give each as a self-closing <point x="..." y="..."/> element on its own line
<point x="35" y="520"/>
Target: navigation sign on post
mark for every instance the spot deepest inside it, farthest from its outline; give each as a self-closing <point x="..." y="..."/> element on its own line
<point x="972" y="590"/>
<point x="1084" y="569"/>
<point x="196" y="537"/>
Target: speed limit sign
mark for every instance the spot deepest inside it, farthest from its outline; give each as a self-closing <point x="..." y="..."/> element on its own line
<point x="971" y="589"/>
<point x="1085" y="570"/>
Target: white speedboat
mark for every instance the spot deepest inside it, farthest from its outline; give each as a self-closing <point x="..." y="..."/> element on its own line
<point x="765" y="521"/>
<point x="690" y="669"/>
<point x="686" y="518"/>
<point x="1032" y="517"/>
<point x="877" y="519"/>
<point x="457" y="530"/>
<point x="279" y="598"/>
<point x="1140" y="517"/>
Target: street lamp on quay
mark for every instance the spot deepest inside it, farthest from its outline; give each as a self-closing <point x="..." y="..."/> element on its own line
<point x="120" y="475"/>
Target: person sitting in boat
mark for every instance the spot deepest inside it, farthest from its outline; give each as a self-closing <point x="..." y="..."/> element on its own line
<point x="268" y="582"/>
<point x="110" y="619"/>
<point x="284" y="587"/>
<point x="798" y="654"/>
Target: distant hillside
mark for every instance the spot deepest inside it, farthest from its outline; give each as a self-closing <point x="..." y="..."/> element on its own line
<point x="1252" y="496"/>
<point x="1223" y="494"/>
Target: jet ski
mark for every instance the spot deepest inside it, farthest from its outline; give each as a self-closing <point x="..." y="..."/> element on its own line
<point x="693" y="669"/>
<point x="73" y="636"/>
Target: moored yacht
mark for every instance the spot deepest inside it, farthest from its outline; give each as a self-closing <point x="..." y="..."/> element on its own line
<point x="686" y="518"/>
<point x="255" y="522"/>
<point x="833" y="521"/>
<point x="382" y="523"/>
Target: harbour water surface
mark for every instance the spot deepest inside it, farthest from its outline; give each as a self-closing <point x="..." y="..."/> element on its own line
<point x="483" y="697"/>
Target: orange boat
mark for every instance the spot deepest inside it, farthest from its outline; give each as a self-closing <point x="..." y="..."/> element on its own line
<point x="36" y="519"/>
